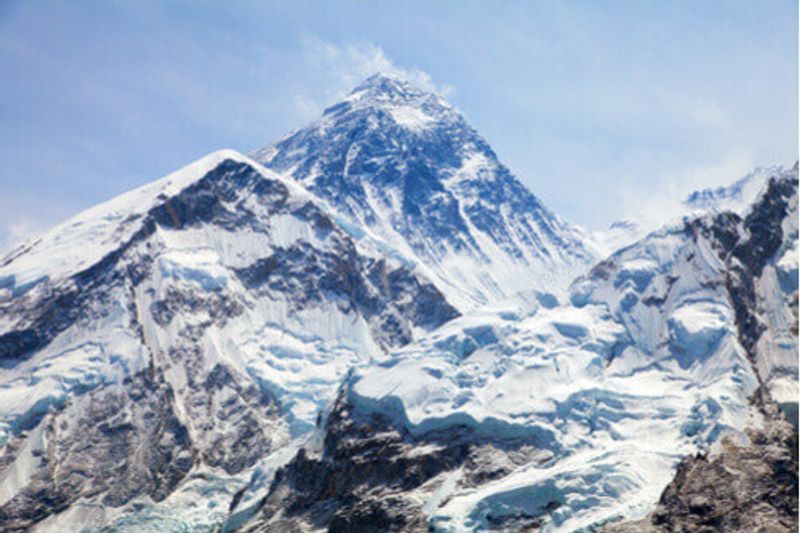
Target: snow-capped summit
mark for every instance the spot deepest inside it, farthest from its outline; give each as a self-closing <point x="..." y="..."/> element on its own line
<point x="401" y="164"/>
<point x="410" y="107"/>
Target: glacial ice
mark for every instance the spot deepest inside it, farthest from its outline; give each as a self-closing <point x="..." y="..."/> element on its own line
<point x="617" y="389"/>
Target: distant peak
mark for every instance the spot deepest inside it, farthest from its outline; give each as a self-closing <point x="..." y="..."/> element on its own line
<point x="411" y="107"/>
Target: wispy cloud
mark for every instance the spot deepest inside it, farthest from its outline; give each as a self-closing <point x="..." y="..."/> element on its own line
<point x="339" y="68"/>
<point x="19" y="230"/>
<point x="24" y="216"/>
<point x="351" y="63"/>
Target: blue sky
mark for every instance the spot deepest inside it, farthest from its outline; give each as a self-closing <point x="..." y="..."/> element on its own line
<point x="597" y="106"/>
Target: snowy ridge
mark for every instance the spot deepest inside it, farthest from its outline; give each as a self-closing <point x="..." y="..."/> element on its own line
<point x="85" y="238"/>
<point x="738" y="196"/>
<point x="64" y="249"/>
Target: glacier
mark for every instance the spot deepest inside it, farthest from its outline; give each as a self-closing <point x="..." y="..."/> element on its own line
<point x="372" y="325"/>
<point x="573" y="416"/>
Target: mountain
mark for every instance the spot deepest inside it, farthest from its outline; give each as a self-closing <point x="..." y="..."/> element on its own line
<point x="403" y="165"/>
<point x="669" y="361"/>
<point x="379" y="328"/>
<point x="180" y="333"/>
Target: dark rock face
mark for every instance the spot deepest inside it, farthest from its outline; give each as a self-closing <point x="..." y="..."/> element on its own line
<point x="177" y="301"/>
<point x="357" y="483"/>
<point x="428" y="309"/>
<point x="371" y="288"/>
<point x="233" y="437"/>
<point x="365" y="475"/>
<point x="746" y="246"/>
<point x="750" y="487"/>
<point x="121" y="441"/>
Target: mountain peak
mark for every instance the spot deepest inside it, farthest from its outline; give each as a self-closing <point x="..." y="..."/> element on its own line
<point x="383" y="85"/>
<point x="403" y="163"/>
<point x="385" y="82"/>
<point x="390" y="91"/>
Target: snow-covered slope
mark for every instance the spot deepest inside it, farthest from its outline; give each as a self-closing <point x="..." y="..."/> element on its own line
<point x="565" y="417"/>
<point x="403" y="165"/>
<point x="736" y="197"/>
<point x="183" y="332"/>
<point x="382" y="329"/>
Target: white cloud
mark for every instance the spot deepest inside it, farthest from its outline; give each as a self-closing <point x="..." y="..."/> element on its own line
<point x="330" y="71"/>
<point x="351" y="63"/>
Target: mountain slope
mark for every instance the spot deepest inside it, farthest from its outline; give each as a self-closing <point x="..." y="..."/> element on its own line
<point x="403" y="164"/>
<point x="566" y="417"/>
<point x="383" y="331"/>
<point x="183" y="331"/>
